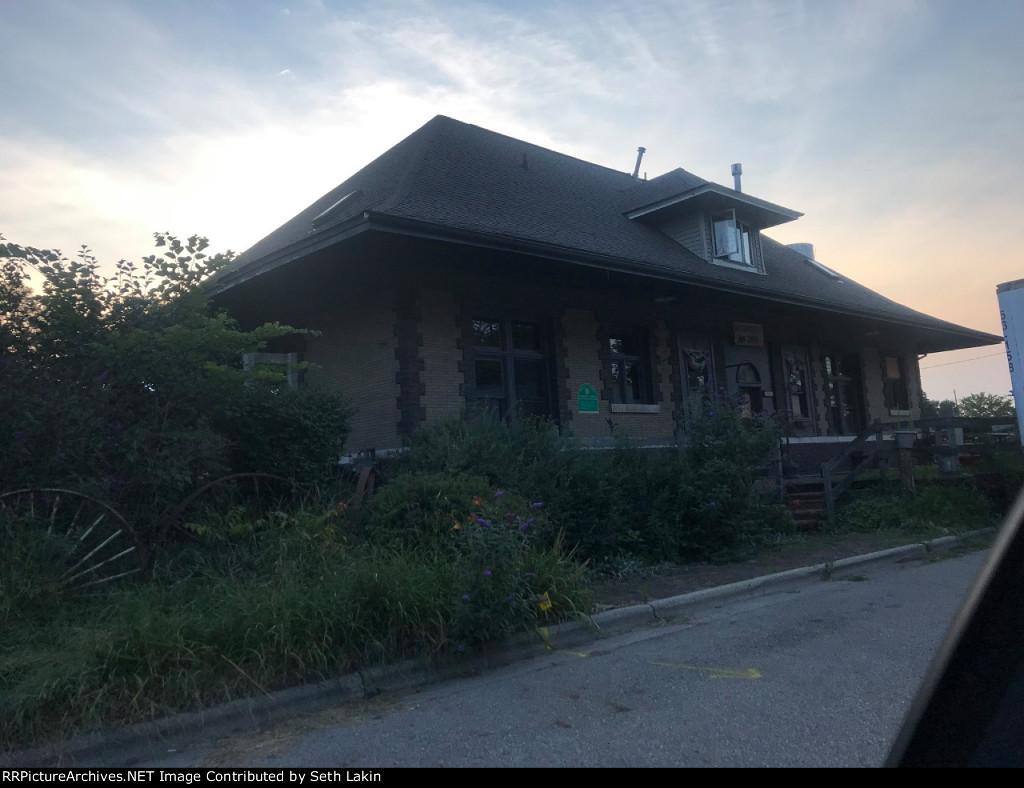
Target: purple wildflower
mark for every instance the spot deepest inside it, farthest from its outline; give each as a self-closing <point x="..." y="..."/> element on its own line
<point x="511" y="597"/>
<point x="487" y="573"/>
<point x="537" y="505"/>
<point x="465" y="597"/>
<point x="499" y="493"/>
<point x="528" y="574"/>
<point x="526" y="524"/>
<point x="483" y="522"/>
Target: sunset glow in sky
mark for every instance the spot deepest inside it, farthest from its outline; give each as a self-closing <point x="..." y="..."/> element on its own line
<point x="895" y="126"/>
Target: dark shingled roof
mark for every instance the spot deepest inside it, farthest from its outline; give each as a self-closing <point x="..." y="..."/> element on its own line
<point x="459" y="181"/>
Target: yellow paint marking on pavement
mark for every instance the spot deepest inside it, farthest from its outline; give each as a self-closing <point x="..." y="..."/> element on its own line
<point x="716" y="673"/>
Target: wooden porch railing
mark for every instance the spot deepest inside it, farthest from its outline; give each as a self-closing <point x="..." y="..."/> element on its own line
<point x="874" y="455"/>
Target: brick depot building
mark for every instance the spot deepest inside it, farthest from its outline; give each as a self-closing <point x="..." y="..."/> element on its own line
<point x="466" y="269"/>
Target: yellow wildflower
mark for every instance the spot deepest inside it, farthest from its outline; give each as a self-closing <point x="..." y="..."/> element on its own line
<point x="545" y="602"/>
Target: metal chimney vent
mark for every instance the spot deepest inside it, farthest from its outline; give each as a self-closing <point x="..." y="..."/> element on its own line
<point x="639" y="155"/>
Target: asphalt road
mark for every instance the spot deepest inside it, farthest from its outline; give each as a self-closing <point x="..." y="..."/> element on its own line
<point x="820" y="675"/>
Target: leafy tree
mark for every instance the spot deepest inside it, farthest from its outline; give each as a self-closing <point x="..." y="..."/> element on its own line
<point x="130" y="387"/>
<point x="983" y="405"/>
<point x="931" y="409"/>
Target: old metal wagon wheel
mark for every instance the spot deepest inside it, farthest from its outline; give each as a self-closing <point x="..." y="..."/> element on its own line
<point x="88" y="543"/>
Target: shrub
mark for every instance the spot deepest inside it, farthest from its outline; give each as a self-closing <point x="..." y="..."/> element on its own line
<point x="130" y="388"/>
<point x="699" y="502"/>
<point x="937" y="508"/>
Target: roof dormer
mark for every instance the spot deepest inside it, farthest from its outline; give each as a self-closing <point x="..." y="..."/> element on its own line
<point x="719" y="224"/>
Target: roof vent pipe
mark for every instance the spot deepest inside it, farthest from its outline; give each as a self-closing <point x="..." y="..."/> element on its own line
<point x="639" y="155"/>
<point x="737" y="172"/>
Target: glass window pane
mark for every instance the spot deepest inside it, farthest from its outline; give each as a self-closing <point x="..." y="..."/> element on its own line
<point x="633" y="382"/>
<point x="525" y="336"/>
<point x="531" y="387"/>
<point x="489" y="376"/>
<point x="486" y="333"/>
<point x="625" y="344"/>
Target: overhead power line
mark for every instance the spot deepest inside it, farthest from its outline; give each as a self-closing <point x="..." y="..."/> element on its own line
<point x="963" y="361"/>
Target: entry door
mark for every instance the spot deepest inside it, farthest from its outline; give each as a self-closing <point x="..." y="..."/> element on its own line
<point x="794" y="396"/>
<point x="843" y="394"/>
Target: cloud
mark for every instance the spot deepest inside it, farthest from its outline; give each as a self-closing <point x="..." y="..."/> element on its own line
<point x="894" y="126"/>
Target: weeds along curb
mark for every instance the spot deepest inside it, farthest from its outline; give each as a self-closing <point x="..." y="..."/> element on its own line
<point x="153" y="741"/>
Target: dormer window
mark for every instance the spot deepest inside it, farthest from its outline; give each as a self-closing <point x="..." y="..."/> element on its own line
<point x="732" y="238"/>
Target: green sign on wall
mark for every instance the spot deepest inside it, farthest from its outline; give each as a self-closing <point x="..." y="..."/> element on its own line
<point x="586" y="399"/>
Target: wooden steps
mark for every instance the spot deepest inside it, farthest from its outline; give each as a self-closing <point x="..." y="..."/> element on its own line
<point x="805" y="499"/>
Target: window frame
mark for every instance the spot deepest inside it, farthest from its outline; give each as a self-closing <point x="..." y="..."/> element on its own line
<point x="895" y="389"/>
<point x="741" y="252"/>
<point x="506" y="354"/>
<point x="620" y="392"/>
<point x="292" y="362"/>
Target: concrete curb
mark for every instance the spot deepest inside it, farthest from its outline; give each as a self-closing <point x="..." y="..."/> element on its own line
<point x="154" y="740"/>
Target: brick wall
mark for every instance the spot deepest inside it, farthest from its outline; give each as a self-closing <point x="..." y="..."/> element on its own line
<point x="355" y="354"/>
<point x="582" y="348"/>
<point x="442" y="375"/>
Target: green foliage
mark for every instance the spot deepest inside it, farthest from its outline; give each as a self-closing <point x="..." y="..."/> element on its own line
<point x="700" y="502"/>
<point x="931" y="409"/>
<point x="420" y="510"/>
<point x="31" y="568"/>
<point x="512" y="577"/>
<point x="130" y="387"/>
<point x="936" y="509"/>
<point x="982" y="405"/>
<point x="260" y="605"/>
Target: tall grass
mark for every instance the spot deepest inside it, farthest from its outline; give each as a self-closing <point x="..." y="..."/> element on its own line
<point x="269" y="608"/>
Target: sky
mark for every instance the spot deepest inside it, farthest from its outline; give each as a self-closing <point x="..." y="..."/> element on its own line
<point x="895" y="126"/>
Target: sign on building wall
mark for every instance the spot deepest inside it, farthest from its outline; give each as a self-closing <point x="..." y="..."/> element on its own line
<point x="748" y="334"/>
<point x="586" y="399"/>
<point x="1011" y="313"/>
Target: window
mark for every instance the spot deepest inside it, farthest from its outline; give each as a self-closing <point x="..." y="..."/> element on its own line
<point x="628" y="363"/>
<point x="287" y="363"/>
<point x="894" y="383"/>
<point x="510" y="367"/>
<point x="732" y="239"/>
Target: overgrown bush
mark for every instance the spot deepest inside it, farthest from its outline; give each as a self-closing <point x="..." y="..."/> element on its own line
<point x="935" y="509"/>
<point x="130" y="388"/>
<point x="698" y="502"/>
